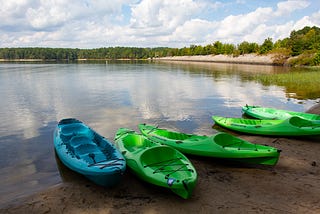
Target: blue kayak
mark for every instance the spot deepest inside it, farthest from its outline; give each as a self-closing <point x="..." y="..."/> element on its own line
<point x="86" y="152"/>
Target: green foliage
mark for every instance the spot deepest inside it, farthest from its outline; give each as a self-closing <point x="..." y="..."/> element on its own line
<point x="217" y="48"/>
<point x="229" y="49"/>
<point x="316" y="59"/>
<point x="281" y="44"/>
<point x="266" y="46"/>
<point x="247" y="48"/>
<point x="304" y="40"/>
<point x="306" y="58"/>
<point x="73" y="54"/>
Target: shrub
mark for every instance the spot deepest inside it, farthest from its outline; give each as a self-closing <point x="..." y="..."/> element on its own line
<point x="306" y="58"/>
<point x="280" y="55"/>
<point x="316" y="59"/>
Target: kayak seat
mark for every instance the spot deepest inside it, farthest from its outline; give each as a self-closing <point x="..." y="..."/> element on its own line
<point x="65" y="138"/>
<point x="85" y="149"/>
<point x="74" y="129"/>
<point x="79" y="140"/>
<point x="223" y="139"/>
<point x="134" y="142"/>
<point x="227" y="140"/>
<point x="299" y="122"/>
<point x="156" y="156"/>
<point x="172" y="135"/>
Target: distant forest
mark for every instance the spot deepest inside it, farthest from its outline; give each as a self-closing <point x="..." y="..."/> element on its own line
<point x="303" y="46"/>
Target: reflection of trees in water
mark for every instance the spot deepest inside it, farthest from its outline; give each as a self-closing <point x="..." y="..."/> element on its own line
<point x="210" y="68"/>
<point x="298" y="83"/>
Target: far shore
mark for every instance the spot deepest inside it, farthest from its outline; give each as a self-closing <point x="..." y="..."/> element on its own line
<point x="248" y="59"/>
<point x="242" y="59"/>
<point x="21" y="60"/>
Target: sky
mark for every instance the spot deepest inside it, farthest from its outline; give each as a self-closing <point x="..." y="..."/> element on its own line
<point x="150" y="23"/>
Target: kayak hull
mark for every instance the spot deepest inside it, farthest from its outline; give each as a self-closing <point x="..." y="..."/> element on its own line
<point x="275" y="114"/>
<point x="220" y="145"/>
<point x="293" y="126"/>
<point x="86" y="152"/>
<point x="157" y="164"/>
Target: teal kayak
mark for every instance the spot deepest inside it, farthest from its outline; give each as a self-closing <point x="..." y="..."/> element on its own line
<point x="157" y="164"/>
<point x="86" y="152"/>
<point x="278" y="114"/>
<point x="293" y="126"/>
<point x="220" y="145"/>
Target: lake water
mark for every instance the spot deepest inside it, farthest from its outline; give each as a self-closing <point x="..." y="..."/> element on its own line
<point x="107" y="96"/>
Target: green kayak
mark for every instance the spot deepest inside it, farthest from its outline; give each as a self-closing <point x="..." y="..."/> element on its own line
<point x="220" y="145"/>
<point x="278" y="114"/>
<point x="157" y="164"/>
<point x="293" y="126"/>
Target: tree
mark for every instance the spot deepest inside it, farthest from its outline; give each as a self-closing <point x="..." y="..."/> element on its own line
<point x="266" y="46"/>
<point x="304" y="42"/>
<point x="246" y="47"/>
<point x="217" y="48"/>
<point x="229" y="48"/>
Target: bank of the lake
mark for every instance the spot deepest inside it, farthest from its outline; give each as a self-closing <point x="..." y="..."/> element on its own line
<point x="292" y="186"/>
<point x="253" y="59"/>
<point x="250" y="59"/>
<point x="242" y="59"/>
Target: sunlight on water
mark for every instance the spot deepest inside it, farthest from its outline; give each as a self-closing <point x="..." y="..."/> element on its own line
<point x="182" y="97"/>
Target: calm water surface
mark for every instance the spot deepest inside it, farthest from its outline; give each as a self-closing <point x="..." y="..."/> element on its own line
<point x="183" y="97"/>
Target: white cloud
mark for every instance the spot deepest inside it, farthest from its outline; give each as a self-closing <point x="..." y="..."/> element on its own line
<point x="162" y="16"/>
<point x="282" y="31"/>
<point x="194" y="31"/>
<point x="258" y="32"/>
<point x="313" y="20"/>
<point x="42" y="14"/>
<point x="47" y="15"/>
<point x="290" y="6"/>
<point x="174" y="23"/>
<point x="237" y="27"/>
<point x="262" y="23"/>
<point x="12" y="13"/>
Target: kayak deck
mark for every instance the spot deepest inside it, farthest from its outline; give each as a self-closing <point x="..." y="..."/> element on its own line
<point x="157" y="164"/>
<point x="220" y="145"/>
<point x="272" y="113"/>
<point x="84" y="151"/>
<point x="293" y="126"/>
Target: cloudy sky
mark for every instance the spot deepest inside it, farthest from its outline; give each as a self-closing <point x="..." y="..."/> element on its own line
<point x="150" y="23"/>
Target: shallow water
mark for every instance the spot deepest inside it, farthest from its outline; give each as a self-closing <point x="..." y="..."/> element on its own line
<point x="178" y="96"/>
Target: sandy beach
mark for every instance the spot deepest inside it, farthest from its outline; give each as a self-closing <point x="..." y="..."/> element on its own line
<point x="292" y="186"/>
<point x="242" y="59"/>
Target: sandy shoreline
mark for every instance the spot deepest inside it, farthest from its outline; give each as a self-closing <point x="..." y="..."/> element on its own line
<point x="292" y="186"/>
<point x="242" y="59"/>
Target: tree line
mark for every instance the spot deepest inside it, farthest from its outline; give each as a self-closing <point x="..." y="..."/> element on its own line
<point x="304" y="44"/>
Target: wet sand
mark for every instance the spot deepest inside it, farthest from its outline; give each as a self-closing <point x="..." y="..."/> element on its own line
<point x="292" y="186"/>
